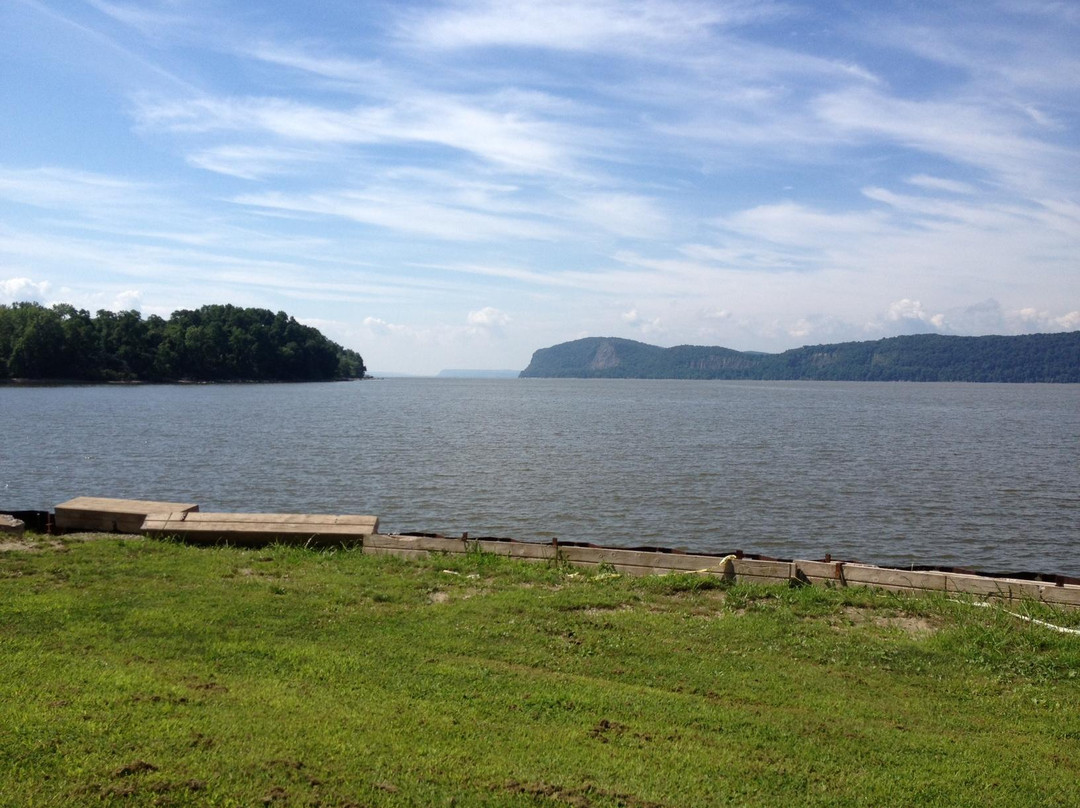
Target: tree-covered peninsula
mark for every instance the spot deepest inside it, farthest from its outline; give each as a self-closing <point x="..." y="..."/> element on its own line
<point x="213" y="343"/>
<point x="920" y="358"/>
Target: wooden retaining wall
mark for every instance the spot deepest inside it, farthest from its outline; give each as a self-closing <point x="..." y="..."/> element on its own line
<point x="734" y="568"/>
<point x="183" y="520"/>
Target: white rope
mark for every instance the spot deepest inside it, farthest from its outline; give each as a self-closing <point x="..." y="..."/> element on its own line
<point x="1061" y="629"/>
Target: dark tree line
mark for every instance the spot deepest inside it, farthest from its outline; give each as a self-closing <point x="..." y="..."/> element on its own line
<point x="213" y="343"/>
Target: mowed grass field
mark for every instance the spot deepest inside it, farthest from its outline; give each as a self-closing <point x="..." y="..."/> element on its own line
<point x="146" y="673"/>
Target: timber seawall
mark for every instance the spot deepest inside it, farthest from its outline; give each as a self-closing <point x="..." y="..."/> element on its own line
<point x="185" y="521"/>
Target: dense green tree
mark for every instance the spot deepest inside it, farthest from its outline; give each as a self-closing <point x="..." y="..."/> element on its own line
<point x="37" y="350"/>
<point x="211" y="343"/>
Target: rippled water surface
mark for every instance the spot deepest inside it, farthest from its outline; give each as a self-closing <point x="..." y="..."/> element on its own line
<point x="985" y="476"/>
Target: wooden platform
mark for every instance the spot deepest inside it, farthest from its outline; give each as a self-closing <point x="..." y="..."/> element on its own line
<point x="258" y="529"/>
<point x="99" y="514"/>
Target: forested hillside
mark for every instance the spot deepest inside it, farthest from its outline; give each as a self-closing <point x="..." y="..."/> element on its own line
<point x="213" y="343"/>
<point x="922" y="357"/>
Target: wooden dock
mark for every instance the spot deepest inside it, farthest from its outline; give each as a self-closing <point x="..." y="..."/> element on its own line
<point x="101" y="514"/>
<point x="256" y="529"/>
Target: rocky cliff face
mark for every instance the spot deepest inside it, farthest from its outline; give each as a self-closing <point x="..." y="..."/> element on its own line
<point x="606" y="357"/>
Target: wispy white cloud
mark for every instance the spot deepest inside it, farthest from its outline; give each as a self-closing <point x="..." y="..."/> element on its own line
<point x="942" y="184"/>
<point x="148" y="19"/>
<point x="649" y="28"/>
<point x="401" y="212"/>
<point x="505" y="138"/>
<point x="55" y="187"/>
<point x="251" y="162"/>
<point x="526" y="277"/>
<point x="969" y="134"/>
<point x="794" y="224"/>
<point x="1024" y="48"/>
<point x="69" y="39"/>
<point x="627" y="215"/>
<point x="366" y="77"/>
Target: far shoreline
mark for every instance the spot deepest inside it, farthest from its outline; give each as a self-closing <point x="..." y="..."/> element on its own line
<point x="164" y="382"/>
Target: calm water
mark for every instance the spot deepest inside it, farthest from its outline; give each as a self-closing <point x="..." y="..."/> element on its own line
<point x="986" y="476"/>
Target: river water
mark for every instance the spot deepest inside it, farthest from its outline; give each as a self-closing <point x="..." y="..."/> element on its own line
<point x="982" y="476"/>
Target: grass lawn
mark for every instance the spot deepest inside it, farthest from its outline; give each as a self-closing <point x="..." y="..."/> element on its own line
<point x="137" y="672"/>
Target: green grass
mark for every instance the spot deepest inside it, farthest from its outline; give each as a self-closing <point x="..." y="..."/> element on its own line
<point x="135" y="672"/>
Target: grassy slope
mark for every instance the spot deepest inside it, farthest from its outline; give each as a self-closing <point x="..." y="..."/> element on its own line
<point x="146" y="673"/>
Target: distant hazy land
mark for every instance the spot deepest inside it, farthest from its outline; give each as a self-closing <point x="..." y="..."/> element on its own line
<point x="454" y="373"/>
<point x="450" y="373"/>
<point x="922" y="357"/>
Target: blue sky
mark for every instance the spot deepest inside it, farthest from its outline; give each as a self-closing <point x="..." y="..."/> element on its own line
<point x="456" y="184"/>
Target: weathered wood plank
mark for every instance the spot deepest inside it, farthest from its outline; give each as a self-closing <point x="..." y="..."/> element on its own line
<point x="248" y="530"/>
<point x="1060" y="595"/>
<point x="866" y="575"/>
<point x="269" y="528"/>
<point x="298" y="519"/>
<point x="527" y="551"/>
<point x="429" y="544"/>
<point x="160" y="521"/>
<point x="1007" y="588"/>
<point x="762" y="571"/>
<point x="637" y="558"/>
<point x="1014" y="589"/>
<point x="632" y="569"/>
<point x="819" y="572"/>
<point x="639" y="571"/>
<point x="111" y="515"/>
<point x="398" y="552"/>
<point x="932" y="581"/>
<point x="208" y="526"/>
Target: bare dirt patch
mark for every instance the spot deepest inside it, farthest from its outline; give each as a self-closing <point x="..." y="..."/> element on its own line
<point x="39" y="543"/>
<point x="19" y="546"/>
<point x="138" y="767"/>
<point x="916" y="626"/>
<point x="211" y="687"/>
<point x="911" y="625"/>
<point x="73" y="537"/>
<point x="605" y="729"/>
<point x="31" y="546"/>
<point x="582" y="797"/>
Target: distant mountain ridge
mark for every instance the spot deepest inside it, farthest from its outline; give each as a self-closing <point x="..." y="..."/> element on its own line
<point x="921" y="357"/>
